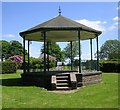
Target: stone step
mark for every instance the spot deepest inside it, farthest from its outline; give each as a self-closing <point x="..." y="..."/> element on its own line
<point x="62" y="84"/>
<point x="62" y="74"/>
<point x="62" y="88"/>
<point x="60" y="77"/>
<point x="62" y="80"/>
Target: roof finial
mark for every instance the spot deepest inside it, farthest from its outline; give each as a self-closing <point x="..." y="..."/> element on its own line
<point x="59" y="11"/>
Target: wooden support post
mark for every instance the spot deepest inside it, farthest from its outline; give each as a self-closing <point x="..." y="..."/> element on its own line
<point x="24" y="64"/>
<point x="28" y="56"/>
<point x="48" y="56"/>
<point x="91" y="53"/>
<point x="97" y="54"/>
<point x="71" y="55"/>
<point x="44" y="37"/>
<point x="79" y="51"/>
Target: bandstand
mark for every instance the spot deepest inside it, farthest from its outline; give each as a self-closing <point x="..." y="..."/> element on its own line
<point x="60" y="29"/>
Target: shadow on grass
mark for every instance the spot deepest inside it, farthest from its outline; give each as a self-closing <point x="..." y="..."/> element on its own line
<point x="13" y="82"/>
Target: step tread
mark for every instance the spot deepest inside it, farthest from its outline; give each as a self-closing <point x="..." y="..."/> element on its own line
<point x="62" y="80"/>
<point x="62" y="87"/>
<point x="62" y="74"/>
<point x="62" y="84"/>
<point x="62" y="77"/>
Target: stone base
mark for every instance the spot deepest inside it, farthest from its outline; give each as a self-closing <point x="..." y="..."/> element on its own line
<point x="88" y="78"/>
<point x="48" y="80"/>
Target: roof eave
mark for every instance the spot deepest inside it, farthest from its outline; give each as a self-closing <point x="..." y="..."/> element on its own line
<point x="58" y="28"/>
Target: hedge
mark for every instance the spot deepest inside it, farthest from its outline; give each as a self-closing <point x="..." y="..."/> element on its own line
<point x="8" y="67"/>
<point x="110" y="66"/>
<point x="105" y="65"/>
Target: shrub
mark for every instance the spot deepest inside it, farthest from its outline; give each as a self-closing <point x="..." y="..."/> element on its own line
<point x="110" y="66"/>
<point x="8" y="67"/>
<point x="76" y="62"/>
<point x="88" y="64"/>
<point x="17" y="59"/>
<point x="51" y="63"/>
<point x="37" y="63"/>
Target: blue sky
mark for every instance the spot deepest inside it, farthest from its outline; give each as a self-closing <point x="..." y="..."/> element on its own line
<point x="19" y="16"/>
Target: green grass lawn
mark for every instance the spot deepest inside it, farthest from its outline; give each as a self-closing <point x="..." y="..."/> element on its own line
<point x="102" y="95"/>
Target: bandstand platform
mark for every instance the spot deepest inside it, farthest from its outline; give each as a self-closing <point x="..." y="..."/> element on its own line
<point x="62" y="80"/>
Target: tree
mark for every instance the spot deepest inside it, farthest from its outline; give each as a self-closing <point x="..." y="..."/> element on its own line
<point x="11" y="48"/>
<point x="75" y="50"/>
<point x="15" y="48"/>
<point x="110" y="50"/>
<point x="4" y="45"/>
<point x="55" y="51"/>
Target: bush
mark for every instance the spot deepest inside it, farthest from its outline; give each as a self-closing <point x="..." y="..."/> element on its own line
<point x="86" y="64"/>
<point x="51" y="63"/>
<point x="76" y="62"/>
<point x="110" y="66"/>
<point x="17" y="59"/>
<point x="37" y="63"/>
<point x="8" y="67"/>
<point x="105" y="65"/>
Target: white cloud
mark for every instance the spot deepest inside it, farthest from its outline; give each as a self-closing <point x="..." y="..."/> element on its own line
<point x="8" y="35"/>
<point x="98" y="25"/>
<point x="112" y="27"/>
<point x="118" y="8"/>
<point x="116" y="18"/>
<point x="115" y="25"/>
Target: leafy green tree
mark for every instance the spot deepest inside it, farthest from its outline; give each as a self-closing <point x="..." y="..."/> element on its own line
<point x="75" y="50"/>
<point x="4" y="47"/>
<point x="55" y="51"/>
<point x="110" y="50"/>
<point x="11" y="48"/>
<point x="15" y="48"/>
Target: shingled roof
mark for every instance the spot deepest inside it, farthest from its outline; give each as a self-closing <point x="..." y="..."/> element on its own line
<point x="60" y="29"/>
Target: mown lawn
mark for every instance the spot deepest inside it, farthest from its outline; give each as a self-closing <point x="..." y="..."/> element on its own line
<point x="102" y="95"/>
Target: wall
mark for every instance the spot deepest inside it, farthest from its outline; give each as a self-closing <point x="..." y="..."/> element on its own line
<point x="88" y="78"/>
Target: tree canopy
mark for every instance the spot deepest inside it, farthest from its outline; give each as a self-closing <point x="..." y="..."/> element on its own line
<point x="75" y="50"/>
<point x="4" y="45"/>
<point x="55" y="51"/>
<point x="16" y="48"/>
<point x="10" y="48"/>
<point x="110" y="50"/>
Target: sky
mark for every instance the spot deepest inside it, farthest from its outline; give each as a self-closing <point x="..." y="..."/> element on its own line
<point x="20" y="16"/>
